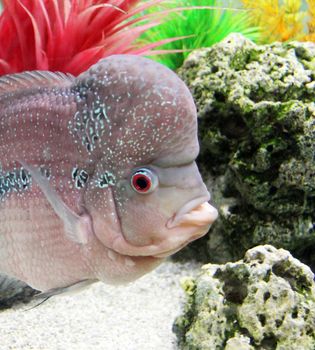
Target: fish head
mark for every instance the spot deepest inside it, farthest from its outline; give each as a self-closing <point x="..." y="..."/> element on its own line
<point x="153" y="196"/>
<point x="162" y="209"/>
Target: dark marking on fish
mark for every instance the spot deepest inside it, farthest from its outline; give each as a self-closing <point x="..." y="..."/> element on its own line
<point x="88" y="124"/>
<point x="80" y="177"/>
<point x="45" y="171"/>
<point x="16" y="180"/>
<point x="106" y="179"/>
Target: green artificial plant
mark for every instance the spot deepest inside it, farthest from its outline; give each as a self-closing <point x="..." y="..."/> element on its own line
<point x="202" y="24"/>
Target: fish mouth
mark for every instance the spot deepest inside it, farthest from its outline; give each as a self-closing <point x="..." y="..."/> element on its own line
<point x="197" y="212"/>
<point x="192" y="221"/>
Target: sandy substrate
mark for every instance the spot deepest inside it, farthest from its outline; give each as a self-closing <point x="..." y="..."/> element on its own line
<point x="138" y="316"/>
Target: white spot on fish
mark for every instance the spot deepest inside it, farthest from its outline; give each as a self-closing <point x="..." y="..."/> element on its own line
<point x="112" y="255"/>
<point x="129" y="262"/>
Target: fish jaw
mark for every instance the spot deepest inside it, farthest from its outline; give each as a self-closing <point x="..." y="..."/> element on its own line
<point x="187" y="225"/>
<point x="117" y="261"/>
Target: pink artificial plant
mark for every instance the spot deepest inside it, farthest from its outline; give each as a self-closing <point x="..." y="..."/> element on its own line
<point x="71" y="35"/>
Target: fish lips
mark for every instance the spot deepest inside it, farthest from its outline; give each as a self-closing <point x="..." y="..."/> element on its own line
<point x="197" y="212"/>
<point x="191" y="222"/>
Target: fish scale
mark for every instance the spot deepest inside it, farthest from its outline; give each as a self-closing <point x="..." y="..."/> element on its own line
<point x="36" y="230"/>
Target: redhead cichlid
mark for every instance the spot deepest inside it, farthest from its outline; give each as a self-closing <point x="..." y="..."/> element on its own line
<point x="98" y="180"/>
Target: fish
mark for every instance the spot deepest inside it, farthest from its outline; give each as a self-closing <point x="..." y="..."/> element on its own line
<point x="98" y="176"/>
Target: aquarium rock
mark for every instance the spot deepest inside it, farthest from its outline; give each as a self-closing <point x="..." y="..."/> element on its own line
<point x="256" y="108"/>
<point x="265" y="301"/>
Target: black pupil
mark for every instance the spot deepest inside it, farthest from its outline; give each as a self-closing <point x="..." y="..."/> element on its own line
<point x="142" y="183"/>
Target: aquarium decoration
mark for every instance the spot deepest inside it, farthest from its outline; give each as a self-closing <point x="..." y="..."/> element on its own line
<point x="49" y="34"/>
<point x="69" y="35"/>
<point x="205" y="22"/>
<point x="282" y="20"/>
<point x="256" y="125"/>
<point x="264" y="301"/>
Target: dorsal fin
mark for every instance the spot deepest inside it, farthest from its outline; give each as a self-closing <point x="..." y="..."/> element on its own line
<point x="33" y="79"/>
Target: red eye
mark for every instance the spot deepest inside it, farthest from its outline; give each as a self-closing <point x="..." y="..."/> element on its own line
<point x="144" y="181"/>
<point x="141" y="182"/>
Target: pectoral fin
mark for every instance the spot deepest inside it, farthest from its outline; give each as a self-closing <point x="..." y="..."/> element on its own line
<point x="78" y="228"/>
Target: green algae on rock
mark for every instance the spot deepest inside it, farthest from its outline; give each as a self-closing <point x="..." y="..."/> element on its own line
<point x="265" y="301"/>
<point x="257" y="127"/>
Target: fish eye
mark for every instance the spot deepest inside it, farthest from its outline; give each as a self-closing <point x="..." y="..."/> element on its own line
<point x="144" y="181"/>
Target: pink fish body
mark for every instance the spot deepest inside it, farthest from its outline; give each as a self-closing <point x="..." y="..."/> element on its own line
<point x="98" y="178"/>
